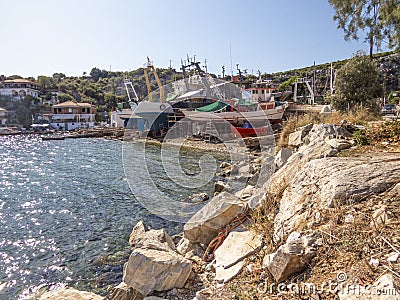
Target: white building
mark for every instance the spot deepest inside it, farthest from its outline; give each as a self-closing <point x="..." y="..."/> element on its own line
<point x="17" y="89"/>
<point x="70" y="115"/>
<point x="3" y="117"/>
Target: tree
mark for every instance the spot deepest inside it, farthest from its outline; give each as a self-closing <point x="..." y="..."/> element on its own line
<point x="45" y="83"/>
<point x="287" y="85"/>
<point x="378" y="19"/>
<point x="64" y="97"/>
<point x="58" y="77"/>
<point x="111" y="100"/>
<point x="12" y="77"/>
<point x="357" y="82"/>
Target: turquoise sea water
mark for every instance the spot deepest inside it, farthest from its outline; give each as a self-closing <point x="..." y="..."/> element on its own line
<point x="66" y="212"/>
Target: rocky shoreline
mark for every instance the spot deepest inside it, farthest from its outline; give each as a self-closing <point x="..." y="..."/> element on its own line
<point x="279" y="229"/>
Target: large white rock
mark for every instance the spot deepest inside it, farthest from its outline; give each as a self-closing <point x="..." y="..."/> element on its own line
<point x="141" y="237"/>
<point x="69" y="293"/>
<point x="229" y="257"/>
<point x="150" y="270"/>
<point x="322" y="183"/>
<point x="292" y="257"/>
<point x="204" y="225"/>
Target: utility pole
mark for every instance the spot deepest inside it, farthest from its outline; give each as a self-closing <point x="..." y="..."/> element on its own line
<point x="205" y="65"/>
<point x="230" y="55"/>
<point x="313" y="81"/>
<point x="331" y="79"/>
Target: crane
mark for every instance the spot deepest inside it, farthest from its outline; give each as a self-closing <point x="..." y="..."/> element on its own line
<point x="149" y="67"/>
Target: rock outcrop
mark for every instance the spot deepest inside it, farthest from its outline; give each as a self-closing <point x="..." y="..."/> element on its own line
<point x="324" y="183"/>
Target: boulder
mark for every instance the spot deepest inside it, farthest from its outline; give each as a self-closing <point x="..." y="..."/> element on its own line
<point x="282" y="156"/>
<point x="292" y="257"/>
<point x="188" y="249"/>
<point x="323" y="183"/>
<point x="229" y="257"/>
<point x="150" y="270"/>
<point x="204" y="225"/>
<point x="221" y="186"/>
<point x="296" y="138"/>
<point x="123" y="291"/>
<point x="141" y="237"/>
<point x="198" y="198"/>
<point x="69" y="293"/>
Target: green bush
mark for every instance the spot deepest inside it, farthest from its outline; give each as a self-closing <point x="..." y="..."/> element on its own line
<point x="360" y="138"/>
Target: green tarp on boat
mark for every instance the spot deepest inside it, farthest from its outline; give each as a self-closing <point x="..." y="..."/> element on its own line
<point x="216" y="106"/>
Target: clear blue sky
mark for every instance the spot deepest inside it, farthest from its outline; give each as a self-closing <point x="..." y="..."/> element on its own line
<point x="42" y="37"/>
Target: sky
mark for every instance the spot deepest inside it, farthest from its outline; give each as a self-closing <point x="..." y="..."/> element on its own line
<point x="43" y="37"/>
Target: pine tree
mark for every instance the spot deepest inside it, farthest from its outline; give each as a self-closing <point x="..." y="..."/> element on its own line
<point x="379" y="19"/>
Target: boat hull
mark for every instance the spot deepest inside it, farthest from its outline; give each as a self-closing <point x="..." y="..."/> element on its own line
<point x="249" y="132"/>
<point x="273" y="115"/>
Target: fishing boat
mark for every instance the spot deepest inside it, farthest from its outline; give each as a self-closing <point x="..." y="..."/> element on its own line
<point x="52" y="137"/>
<point x="266" y="93"/>
<point x="221" y="110"/>
<point x="249" y="131"/>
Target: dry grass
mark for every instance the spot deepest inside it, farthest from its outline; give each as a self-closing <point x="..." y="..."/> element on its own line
<point x="349" y="245"/>
<point x="388" y="132"/>
<point x="351" y="237"/>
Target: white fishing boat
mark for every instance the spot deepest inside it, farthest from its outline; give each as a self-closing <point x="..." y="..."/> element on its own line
<point x="274" y="115"/>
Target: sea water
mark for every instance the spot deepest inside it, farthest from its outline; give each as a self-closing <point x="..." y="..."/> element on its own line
<point x="66" y="212"/>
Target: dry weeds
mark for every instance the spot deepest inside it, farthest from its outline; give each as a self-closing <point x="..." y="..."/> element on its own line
<point x="351" y="237"/>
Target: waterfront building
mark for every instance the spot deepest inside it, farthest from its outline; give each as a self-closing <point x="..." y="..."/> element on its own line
<point x="3" y="117"/>
<point x="70" y="115"/>
<point x="17" y="89"/>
